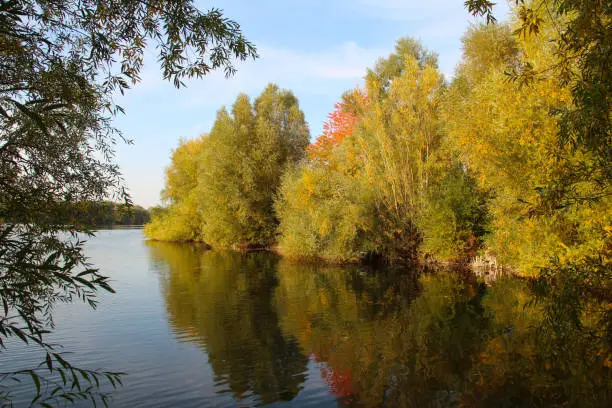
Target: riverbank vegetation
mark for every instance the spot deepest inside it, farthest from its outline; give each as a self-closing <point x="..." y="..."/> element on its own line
<point x="413" y="166"/>
<point x="221" y="186"/>
<point x="510" y="160"/>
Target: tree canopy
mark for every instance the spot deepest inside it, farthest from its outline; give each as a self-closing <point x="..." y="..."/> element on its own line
<point x="369" y="186"/>
<point x="227" y="180"/>
<point x="578" y="33"/>
<point x="413" y="166"/>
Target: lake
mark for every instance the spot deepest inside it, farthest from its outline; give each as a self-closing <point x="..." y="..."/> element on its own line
<point x="197" y="328"/>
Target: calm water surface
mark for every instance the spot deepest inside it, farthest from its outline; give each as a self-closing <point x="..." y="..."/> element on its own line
<point x="197" y="328"/>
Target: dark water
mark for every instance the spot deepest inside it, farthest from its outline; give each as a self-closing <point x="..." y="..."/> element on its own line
<point x="197" y="328"/>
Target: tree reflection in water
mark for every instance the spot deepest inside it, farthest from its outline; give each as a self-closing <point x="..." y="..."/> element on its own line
<point x="388" y="337"/>
<point x="221" y="300"/>
<point x="442" y="341"/>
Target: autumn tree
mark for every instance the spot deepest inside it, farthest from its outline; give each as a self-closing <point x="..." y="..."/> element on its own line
<point x="560" y="227"/>
<point x="507" y="137"/>
<point x="578" y="33"/>
<point x="398" y="140"/>
<point x="339" y="124"/>
<point x="364" y="191"/>
<point x="325" y="211"/>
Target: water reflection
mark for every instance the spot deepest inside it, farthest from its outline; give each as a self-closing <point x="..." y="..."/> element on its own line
<point x="222" y="302"/>
<point x="347" y="317"/>
<point x="383" y="338"/>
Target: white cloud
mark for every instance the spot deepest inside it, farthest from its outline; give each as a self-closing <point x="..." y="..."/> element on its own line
<point x="302" y="72"/>
<point x="347" y="61"/>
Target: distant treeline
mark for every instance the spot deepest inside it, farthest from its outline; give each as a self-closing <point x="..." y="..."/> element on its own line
<point x="106" y="213"/>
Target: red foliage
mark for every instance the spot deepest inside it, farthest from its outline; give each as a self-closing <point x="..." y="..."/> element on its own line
<point x="339" y="124"/>
<point x="340" y="382"/>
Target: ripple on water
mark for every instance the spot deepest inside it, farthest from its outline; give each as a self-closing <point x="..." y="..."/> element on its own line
<point x="198" y="328"/>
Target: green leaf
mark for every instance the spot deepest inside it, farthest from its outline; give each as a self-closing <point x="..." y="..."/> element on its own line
<point x="36" y="380"/>
<point x="20" y="334"/>
<point x="49" y="362"/>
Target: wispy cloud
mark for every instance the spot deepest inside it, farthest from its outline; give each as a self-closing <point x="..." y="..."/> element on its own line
<point x="314" y="73"/>
<point x="346" y="61"/>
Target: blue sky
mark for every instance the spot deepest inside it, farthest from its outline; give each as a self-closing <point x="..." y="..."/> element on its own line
<point x="318" y="49"/>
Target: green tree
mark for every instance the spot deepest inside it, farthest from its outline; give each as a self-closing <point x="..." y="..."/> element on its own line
<point x="61" y="63"/>
<point x="221" y="187"/>
<point x="181" y="220"/>
<point x="455" y="216"/>
<point x="88" y="214"/>
<point x="250" y="150"/>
